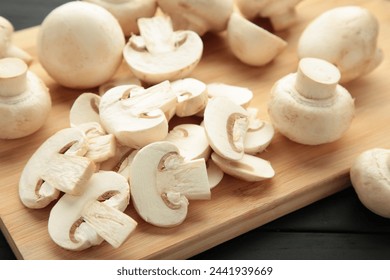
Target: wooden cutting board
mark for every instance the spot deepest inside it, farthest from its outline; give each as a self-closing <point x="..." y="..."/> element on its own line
<point x="304" y="174"/>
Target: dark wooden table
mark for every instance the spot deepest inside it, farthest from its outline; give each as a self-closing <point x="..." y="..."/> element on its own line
<point x="337" y="227"/>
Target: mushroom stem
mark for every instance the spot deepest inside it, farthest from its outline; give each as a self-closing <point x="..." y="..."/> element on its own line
<point x="316" y="78"/>
<point x="13" y="76"/>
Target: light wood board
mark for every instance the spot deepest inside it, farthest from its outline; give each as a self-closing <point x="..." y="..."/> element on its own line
<point x="304" y="174"/>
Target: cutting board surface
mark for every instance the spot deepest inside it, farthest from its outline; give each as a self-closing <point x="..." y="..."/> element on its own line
<point x="304" y="174"/>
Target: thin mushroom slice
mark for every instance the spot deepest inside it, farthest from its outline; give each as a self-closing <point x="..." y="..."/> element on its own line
<point x="214" y="173"/>
<point x="79" y="222"/>
<point x="226" y="124"/>
<point x="58" y="155"/>
<point x="162" y="182"/>
<point x="249" y="168"/>
<point x="138" y="116"/>
<point x="259" y="134"/>
<point x="191" y="96"/>
<point x="85" y="109"/>
<point x="160" y="53"/>
<point x="191" y="140"/>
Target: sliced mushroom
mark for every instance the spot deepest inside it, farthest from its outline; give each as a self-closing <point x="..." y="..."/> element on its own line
<point x="191" y="96"/>
<point x="252" y="44"/>
<point x="239" y="95"/>
<point x="161" y="183"/>
<point x="128" y="11"/>
<point x="214" y="173"/>
<point x="85" y="109"/>
<point x="118" y="81"/>
<point x="56" y="165"/>
<point x="226" y="124"/>
<point x="25" y="101"/>
<point x="160" y="53"/>
<point x="191" y="140"/>
<point x="79" y="222"/>
<point x="137" y="116"/>
<point x="198" y="16"/>
<point x="7" y="48"/>
<point x="248" y="168"/>
<point x="259" y="134"/>
<point x="114" y="163"/>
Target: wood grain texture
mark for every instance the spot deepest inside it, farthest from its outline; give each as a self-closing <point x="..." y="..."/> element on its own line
<point x="304" y="174"/>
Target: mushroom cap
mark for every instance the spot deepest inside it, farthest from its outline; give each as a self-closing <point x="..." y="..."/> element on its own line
<point x="309" y="121"/>
<point x="28" y="108"/>
<point x="252" y="44"/>
<point x="345" y="36"/>
<point x="370" y="177"/>
<point x="128" y="11"/>
<point x="80" y="44"/>
<point x="259" y="134"/>
<point x="198" y="16"/>
<point x="160" y="53"/>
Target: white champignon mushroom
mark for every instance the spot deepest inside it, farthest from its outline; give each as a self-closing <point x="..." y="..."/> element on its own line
<point x="160" y="53"/>
<point x="85" y="109"/>
<point x="345" y="36"/>
<point x="7" y="48"/>
<point x="370" y="177"/>
<point x="310" y="107"/>
<point x="249" y="168"/>
<point x="240" y="95"/>
<point x="282" y="14"/>
<point x="259" y="134"/>
<point x="79" y="222"/>
<point x="198" y="16"/>
<point x="137" y="116"/>
<point x="214" y="173"/>
<point x="25" y="101"/>
<point x="191" y="96"/>
<point x="58" y="164"/>
<point x="191" y="140"/>
<point x="118" y="81"/>
<point x="226" y="124"/>
<point x="252" y="44"/>
<point x="128" y="11"/>
<point x="162" y="182"/>
<point x="80" y="44"/>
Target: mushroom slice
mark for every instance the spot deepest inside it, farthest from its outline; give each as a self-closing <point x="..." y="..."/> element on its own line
<point x="191" y="140"/>
<point x="137" y="116"/>
<point x="56" y="165"/>
<point x="114" y="163"/>
<point x="161" y="183"/>
<point x="79" y="222"/>
<point x="199" y="16"/>
<point x="214" y="173"/>
<point x="259" y="134"/>
<point x="160" y="53"/>
<point x="226" y="124"/>
<point x="191" y="96"/>
<point x="118" y="81"/>
<point x="85" y="109"/>
<point x="239" y="95"/>
<point x="249" y="168"/>
<point x="7" y="48"/>
<point x="252" y="44"/>
<point x="101" y="146"/>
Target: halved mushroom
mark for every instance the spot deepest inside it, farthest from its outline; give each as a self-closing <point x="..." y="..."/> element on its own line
<point x="128" y="11"/>
<point x="191" y="96"/>
<point x="198" y="16"/>
<point x="252" y="44"/>
<point x="79" y="222"/>
<point x="259" y="134"/>
<point x="25" y="101"/>
<point x="226" y="124"/>
<point x="161" y="183"/>
<point x="248" y="168"/>
<point x="85" y="109"/>
<point x="137" y="116"/>
<point x="160" y="53"/>
<point x="58" y="164"/>
<point x="191" y="140"/>
<point x="7" y="48"/>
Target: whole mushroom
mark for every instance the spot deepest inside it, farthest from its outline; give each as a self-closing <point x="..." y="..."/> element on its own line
<point x="345" y="36"/>
<point x="25" y="101"/>
<point x="80" y="44"/>
<point x="310" y="107"/>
